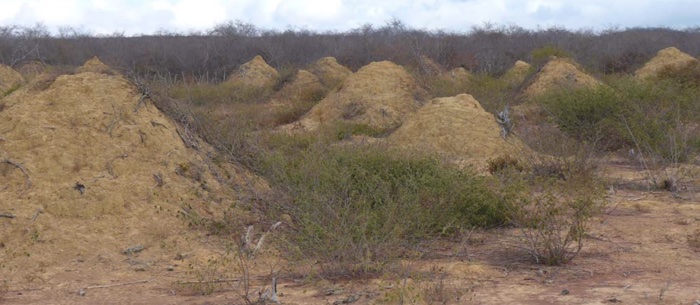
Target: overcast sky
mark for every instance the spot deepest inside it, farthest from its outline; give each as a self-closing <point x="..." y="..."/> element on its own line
<point x="147" y="16"/>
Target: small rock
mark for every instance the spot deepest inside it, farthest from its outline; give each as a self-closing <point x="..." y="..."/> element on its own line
<point x="565" y="292"/>
<point x="81" y="292"/>
<point x="132" y="250"/>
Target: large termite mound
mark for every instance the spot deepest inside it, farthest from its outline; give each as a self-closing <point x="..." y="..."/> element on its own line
<point x="380" y="95"/>
<point x="456" y="128"/>
<point x="303" y="86"/>
<point x="95" y="65"/>
<point x="88" y="168"/>
<point x="558" y="73"/>
<point x="668" y="58"/>
<point x="329" y="71"/>
<point x="517" y="73"/>
<point x="255" y="73"/>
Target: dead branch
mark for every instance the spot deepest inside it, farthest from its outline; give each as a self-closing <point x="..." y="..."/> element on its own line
<point x="7" y="216"/>
<point x="258" y="247"/>
<point x="36" y="214"/>
<point x="154" y="124"/>
<point x="188" y="139"/>
<point x="145" y="93"/>
<point x="208" y="282"/>
<point x="110" y="163"/>
<point x="116" y="285"/>
<point x="138" y="105"/>
<point x="27" y="180"/>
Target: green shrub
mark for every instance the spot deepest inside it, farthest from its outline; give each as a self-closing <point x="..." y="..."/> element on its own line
<point x="358" y="208"/>
<point x="656" y="120"/>
<point x="687" y="75"/>
<point x="587" y="114"/>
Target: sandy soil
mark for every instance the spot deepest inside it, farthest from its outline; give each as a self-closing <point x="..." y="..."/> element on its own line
<point x="637" y="252"/>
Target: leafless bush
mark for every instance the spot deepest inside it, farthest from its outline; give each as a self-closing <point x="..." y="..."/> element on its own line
<point x="211" y="56"/>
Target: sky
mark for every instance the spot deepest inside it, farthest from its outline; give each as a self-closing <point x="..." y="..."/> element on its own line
<point x="133" y="17"/>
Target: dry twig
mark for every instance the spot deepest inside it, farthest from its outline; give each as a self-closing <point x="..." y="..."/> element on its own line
<point x="27" y="180"/>
<point x="82" y="290"/>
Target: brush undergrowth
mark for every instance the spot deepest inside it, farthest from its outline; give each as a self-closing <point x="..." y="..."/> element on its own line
<point x="553" y="194"/>
<point x="655" y="120"/>
<point x="357" y="209"/>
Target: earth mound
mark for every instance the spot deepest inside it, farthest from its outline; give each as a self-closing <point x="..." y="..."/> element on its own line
<point x="518" y="73"/>
<point x="89" y="169"/>
<point x="30" y="70"/>
<point x="329" y="71"/>
<point x="558" y="73"/>
<point x="255" y="73"/>
<point x="456" y="128"/>
<point x="95" y="65"/>
<point x="428" y="66"/>
<point x="9" y="78"/>
<point x="667" y="58"/>
<point x="380" y="95"/>
<point x="304" y="86"/>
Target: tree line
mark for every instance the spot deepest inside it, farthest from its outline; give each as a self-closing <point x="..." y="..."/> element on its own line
<point x="212" y="54"/>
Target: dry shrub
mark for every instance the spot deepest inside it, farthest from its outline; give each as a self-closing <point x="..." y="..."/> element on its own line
<point x="555" y="218"/>
<point x="505" y="163"/>
<point x="439" y="290"/>
<point x="554" y="198"/>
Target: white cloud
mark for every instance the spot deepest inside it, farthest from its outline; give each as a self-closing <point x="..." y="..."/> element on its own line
<point x="147" y="16"/>
<point x="309" y="12"/>
<point x="198" y="14"/>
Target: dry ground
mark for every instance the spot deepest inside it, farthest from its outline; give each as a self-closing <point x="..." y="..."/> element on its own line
<point x="645" y="249"/>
